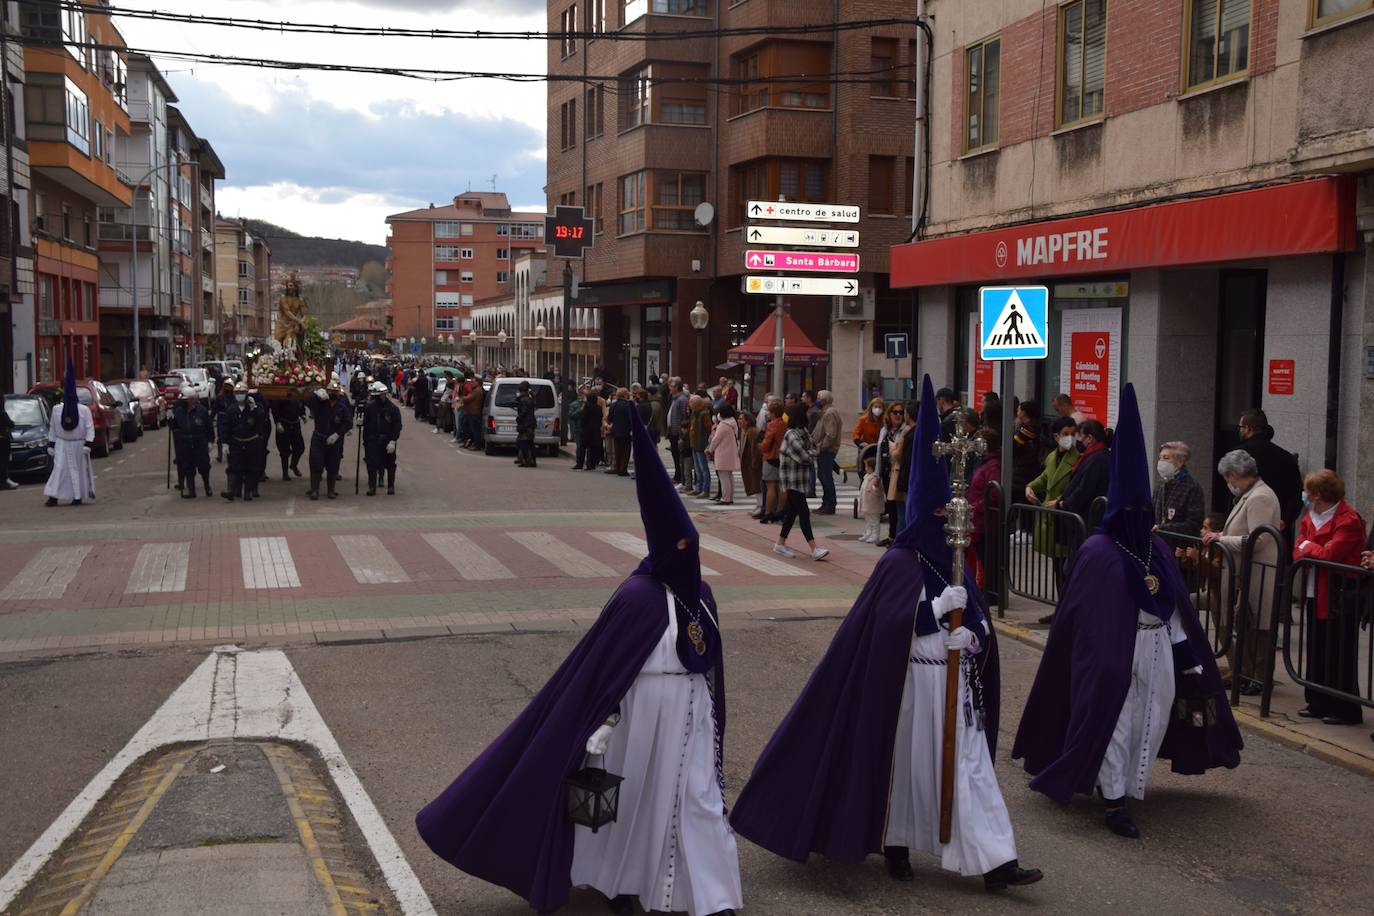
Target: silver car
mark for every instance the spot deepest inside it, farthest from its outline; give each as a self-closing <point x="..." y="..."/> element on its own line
<point x="498" y="414"/>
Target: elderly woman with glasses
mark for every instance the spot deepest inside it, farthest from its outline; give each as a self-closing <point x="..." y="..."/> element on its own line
<point x="1178" y="495"/>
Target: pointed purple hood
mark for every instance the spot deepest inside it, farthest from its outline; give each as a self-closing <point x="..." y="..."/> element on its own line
<point x="927" y="492"/>
<point x="666" y="522"/>
<point x="71" y="416"/>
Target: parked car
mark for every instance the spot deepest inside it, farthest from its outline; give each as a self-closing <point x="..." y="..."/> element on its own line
<point x="228" y="368"/>
<point x="109" y="432"/>
<point x="498" y="414"/>
<point x="199" y="379"/>
<point x="129" y="410"/>
<point x="29" y="438"/>
<point x="149" y="398"/>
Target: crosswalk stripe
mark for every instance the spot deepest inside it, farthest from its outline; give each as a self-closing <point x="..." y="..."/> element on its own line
<point x="160" y="568"/>
<point x="756" y="561"/>
<point x="267" y="563"/>
<point x="635" y="546"/>
<point x="47" y="575"/>
<point x="471" y="562"/>
<point x="567" y="558"/>
<point x="368" y="560"/>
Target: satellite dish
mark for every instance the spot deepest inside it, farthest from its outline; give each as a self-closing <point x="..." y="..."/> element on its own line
<point x="705" y="212"/>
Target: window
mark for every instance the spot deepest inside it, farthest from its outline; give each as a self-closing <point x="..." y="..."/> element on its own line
<point x="45" y="296"/>
<point x="447" y="300"/>
<point x="909" y="185"/>
<point x="446" y="230"/>
<point x="1218" y="40"/>
<point x="676" y="196"/>
<point x="568" y="200"/>
<point x="594" y="110"/>
<point x="88" y="301"/>
<point x="883" y="64"/>
<point x="982" y="86"/>
<point x="1325" y="11"/>
<point x="503" y="254"/>
<point x="502" y="276"/>
<point x="769" y="179"/>
<point x="440" y="277"/>
<point x="78" y="118"/>
<point x="633" y="9"/>
<point x="445" y="323"/>
<point x="596" y="12"/>
<point x="880" y="179"/>
<point x="465" y="254"/>
<point x="594" y="202"/>
<point x="466" y="300"/>
<point x="567" y="114"/>
<point x="527" y="230"/>
<point x="634" y="100"/>
<point x="1082" y="59"/>
<point x="67" y="223"/>
<point x="465" y="276"/>
<point x="632" y="203"/>
<point x="466" y="229"/>
<point x="567" y="25"/>
<point x="781" y="59"/>
<point x="445" y="252"/>
<point x="245" y="297"/>
<point x="244" y="269"/>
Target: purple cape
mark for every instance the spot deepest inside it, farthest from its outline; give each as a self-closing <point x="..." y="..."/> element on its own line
<point x="504" y="818"/>
<point x="822" y="782"/>
<point x="1086" y="671"/>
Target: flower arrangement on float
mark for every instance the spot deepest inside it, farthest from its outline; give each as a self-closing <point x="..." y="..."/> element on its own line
<point x="283" y="375"/>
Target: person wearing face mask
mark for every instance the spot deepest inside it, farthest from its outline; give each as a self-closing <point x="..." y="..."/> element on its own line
<point x="1049" y="488"/>
<point x="333" y="420"/>
<point x="1256" y="505"/>
<point x="381" y="429"/>
<point x="1091" y="476"/>
<point x="244" y="430"/>
<point x="1178" y="497"/>
<point x="870" y="425"/>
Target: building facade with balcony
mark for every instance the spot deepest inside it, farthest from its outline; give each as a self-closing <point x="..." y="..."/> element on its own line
<point x="244" y="295"/>
<point x="18" y="320"/>
<point x="443" y="259"/>
<point x="76" y="107"/>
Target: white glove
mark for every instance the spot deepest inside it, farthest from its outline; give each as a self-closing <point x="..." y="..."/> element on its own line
<point x="281" y="427"/>
<point x="52" y="452"/>
<point x="599" y="741"/>
<point x="959" y="639"/>
<point x="1196" y="669"/>
<point x="391" y="447"/>
<point x="333" y="437"/>
<point x="86" y="449"/>
<point x="321" y="394"/>
<point x="956" y="596"/>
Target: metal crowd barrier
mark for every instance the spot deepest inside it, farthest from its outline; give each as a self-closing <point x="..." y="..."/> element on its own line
<point x="1209" y="574"/>
<point x="1039" y="545"/>
<point x="1259" y="600"/>
<point x="994" y="548"/>
<point x="1335" y="656"/>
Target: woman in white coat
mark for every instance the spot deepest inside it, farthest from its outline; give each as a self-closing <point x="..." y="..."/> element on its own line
<point x="71" y="432"/>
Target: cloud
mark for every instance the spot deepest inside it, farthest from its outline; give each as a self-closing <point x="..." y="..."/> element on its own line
<point x="444" y="6"/>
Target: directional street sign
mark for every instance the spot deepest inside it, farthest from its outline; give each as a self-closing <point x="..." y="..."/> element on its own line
<point x="1015" y="322"/>
<point x="802" y="213"/>
<point x="785" y="235"/>
<point x="800" y="286"/>
<point x="814" y="261"/>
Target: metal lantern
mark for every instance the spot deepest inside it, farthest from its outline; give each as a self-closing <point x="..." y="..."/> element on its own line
<point x="593" y="795"/>
<point x="1196" y="711"/>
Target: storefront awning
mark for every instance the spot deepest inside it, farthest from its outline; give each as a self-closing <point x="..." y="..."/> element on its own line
<point x="1316" y="216"/>
<point x="798" y="349"/>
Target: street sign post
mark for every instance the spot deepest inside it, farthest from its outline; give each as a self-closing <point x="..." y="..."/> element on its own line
<point x="786" y="235"/>
<point x="801" y="212"/>
<point x="814" y="261"/>
<point x="896" y="346"/>
<point x="800" y="286"/>
<point x="1015" y="322"/>
<point x="570" y="233"/>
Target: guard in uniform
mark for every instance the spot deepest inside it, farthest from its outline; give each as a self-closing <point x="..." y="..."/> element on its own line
<point x="192" y="433"/>
<point x="288" y="414"/>
<point x="264" y="436"/>
<point x="381" y="429"/>
<point x="333" y="418"/>
<point x="244" y="423"/>
<point x="219" y="408"/>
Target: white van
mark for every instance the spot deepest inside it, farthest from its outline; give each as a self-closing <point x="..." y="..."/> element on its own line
<point x="498" y="414"/>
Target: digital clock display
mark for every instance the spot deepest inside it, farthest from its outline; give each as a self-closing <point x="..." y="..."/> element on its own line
<point x="570" y="232"/>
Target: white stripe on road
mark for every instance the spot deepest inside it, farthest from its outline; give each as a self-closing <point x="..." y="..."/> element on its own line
<point x="758" y="562"/>
<point x="635" y="546"/>
<point x="470" y="561"/>
<point x="234" y="695"/>
<point x="267" y="563"/>
<point x="368" y="560"/>
<point x="47" y="575"/>
<point x="160" y="568"/>
<point x="567" y="558"/>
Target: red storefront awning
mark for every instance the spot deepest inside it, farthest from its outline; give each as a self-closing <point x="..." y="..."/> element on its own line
<point x="1303" y="217"/>
<point x="798" y="349"/>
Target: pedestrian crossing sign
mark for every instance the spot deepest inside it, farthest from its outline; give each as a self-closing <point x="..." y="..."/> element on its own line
<point x="1015" y="322"/>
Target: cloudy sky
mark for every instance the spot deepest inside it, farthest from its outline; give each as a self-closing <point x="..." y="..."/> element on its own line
<point x="332" y="154"/>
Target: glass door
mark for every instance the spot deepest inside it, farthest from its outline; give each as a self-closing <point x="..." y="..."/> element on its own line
<point x="1240" y="364"/>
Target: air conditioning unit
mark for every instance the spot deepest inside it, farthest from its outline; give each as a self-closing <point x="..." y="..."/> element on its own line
<point x="855" y="308"/>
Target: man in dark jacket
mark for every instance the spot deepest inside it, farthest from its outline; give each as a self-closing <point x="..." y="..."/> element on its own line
<point x="589" y="443"/>
<point x="224" y="396"/>
<point x="192" y="433"/>
<point x="525" y="423"/>
<point x="287" y="414"/>
<point x="245" y="429"/>
<point x="264" y="416"/>
<point x="333" y="419"/>
<point x="1091" y="476"/>
<point x="422" y="392"/>
<point x="620" y="416"/>
<point x="381" y="429"/>
<point x="1277" y="466"/>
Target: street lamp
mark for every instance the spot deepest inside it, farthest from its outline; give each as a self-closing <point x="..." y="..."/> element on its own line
<point x="700" y="318"/>
<point x="472" y="339"/>
<point x="501" y="346"/>
<point x="539" y="332"/>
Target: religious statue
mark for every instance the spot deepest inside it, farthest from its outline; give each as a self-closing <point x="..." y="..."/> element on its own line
<point x="291" y="314"/>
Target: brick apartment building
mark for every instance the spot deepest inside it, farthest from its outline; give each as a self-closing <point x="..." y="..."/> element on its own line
<point x="443" y="259"/>
<point x="243" y="275"/>
<point x="1193" y="181"/>
<point x="641" y="151"/>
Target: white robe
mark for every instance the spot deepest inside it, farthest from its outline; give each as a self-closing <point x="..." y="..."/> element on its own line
<point x="671" y="844"/>
<point x="1144" y="717"/>
<point x="71" y="477"/>
<point x="980" y="836"/>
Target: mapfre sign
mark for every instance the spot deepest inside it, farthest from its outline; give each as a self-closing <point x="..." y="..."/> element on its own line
<point x="1302" y="217"/>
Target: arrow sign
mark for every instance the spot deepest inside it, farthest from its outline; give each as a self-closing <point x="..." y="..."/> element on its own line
<point x="813" y="261"/>
<point x="822" y="238"/>
<point x="804" y="213"/>
<point x="800" y="286"/>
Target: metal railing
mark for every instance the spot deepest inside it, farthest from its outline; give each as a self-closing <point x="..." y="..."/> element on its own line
<point x="1335" y="655"/>
<point x="1039" y="545"/>
<point x="1259" y="601"/>
<point x="1209" y="575"/>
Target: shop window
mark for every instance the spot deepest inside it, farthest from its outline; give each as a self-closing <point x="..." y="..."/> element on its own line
<point x="883" y="66"/>
<point x="881" y="172"/>
<point x="1218" y="40"/>
<point x="982" y="82"/>
<point x="781" y="59"/>
<point x="1082" y="59"/>
<point x="632" y="203"/>
<point x="676" y="196"/>
<point x="1322" y="12"/>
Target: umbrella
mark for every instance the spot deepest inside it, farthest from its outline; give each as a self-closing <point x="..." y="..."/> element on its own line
<point x="438" y="371"/>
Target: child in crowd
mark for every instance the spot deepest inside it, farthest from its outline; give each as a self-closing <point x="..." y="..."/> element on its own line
<point x="871" y="502"/>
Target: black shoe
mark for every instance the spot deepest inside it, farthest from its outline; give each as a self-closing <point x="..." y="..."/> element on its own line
<point x="390" y="491"/>
<point x="1251" y="690"/>
<point x="248" y="497"/>
<point x="76" y="502"/>
<point x="208" y="491"/>
<point x="898" y="863"/>
<point x="187" y="495"/>
<point x="332" y="495"/>
<point x="622" y="905"/>
<point x="1338" y="720"/>
<point x="52" y="501"/>
<point x="313" y="494"/>
<point x="1010" y="875"/>
<point x="577" y="467"/>
<point x="371" y="491"/>
<point x="286" y="477"/>
<point x="1120" y="822"/>
<point x="295" y="470"/>
<point x="1307" y="713"/>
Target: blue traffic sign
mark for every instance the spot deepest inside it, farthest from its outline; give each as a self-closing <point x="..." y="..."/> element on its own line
<point x="1015" y="322"/>
<point x="896" y="345"/>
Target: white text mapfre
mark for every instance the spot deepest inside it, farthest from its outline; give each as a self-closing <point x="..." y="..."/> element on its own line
<point x="1062" y="247"/>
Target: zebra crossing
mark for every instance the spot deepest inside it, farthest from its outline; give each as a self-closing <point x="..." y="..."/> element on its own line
<point x="845" y="494"/>
<point x="280" y="563"/>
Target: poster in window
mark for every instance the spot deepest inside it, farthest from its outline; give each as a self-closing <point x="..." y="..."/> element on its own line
<point x="984" y="376"/>
<point x="1090" y="361"/>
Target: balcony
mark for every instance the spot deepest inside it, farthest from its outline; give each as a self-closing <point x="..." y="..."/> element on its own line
<point x="207" y="283"/>
<point x="207" y="239"/>
<point x="125" y="232"/>
<point x="182" y="242"/>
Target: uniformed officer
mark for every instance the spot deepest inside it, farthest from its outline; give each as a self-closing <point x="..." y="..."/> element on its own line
<point x="219" y="416"/>
<point x="264" y="437"/>
<point x="381" y="429"/>
<point x="244" y="424"/>
<point x="192" y="433"/>
<point x="333" y="419"/>
<point x="288" y="414"/>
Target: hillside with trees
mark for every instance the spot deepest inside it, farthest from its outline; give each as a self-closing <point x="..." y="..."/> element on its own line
<point x="291" y="249"/>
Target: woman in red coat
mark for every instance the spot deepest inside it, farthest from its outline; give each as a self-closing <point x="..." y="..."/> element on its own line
<point x="1334" y="532"/>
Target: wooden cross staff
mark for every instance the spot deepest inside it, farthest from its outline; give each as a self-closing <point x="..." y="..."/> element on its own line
<point x="958" y="527"/>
